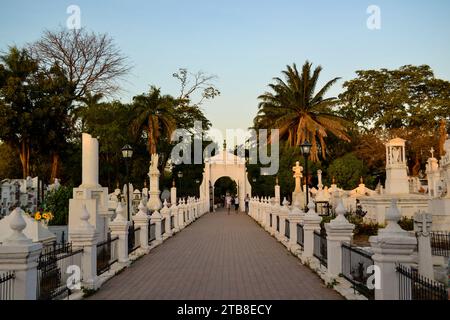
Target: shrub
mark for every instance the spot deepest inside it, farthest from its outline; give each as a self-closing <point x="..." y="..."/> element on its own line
<point x="406" y="223"/>
<point x="57" y="202"/>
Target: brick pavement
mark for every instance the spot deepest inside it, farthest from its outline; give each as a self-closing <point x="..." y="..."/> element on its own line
<point x="219" y="256"/>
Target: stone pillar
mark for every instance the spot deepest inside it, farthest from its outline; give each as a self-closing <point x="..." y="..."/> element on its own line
<point x="295" y="217"/>
<point x="89" y="165"/>
<point x="181" y="208"/>
<point x="311" y="223"/>
<point x="156" y="219"/>
<point x="392" y="245"/>
<point x="277" y="192"/>
<point x="173" y="194"/>
<point x="422" y="226"/>
<point x="339" y="230"/>
<point x="19" y="254"/>
<point x="154" y="201"/>
<point x="165" y="213"/>
<point x="141" y="220"/>
<point x="119" y="227"/>
<point x="85" y="237"/>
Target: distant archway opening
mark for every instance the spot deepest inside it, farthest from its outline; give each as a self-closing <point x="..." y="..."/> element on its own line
<point x="222" y="187"/>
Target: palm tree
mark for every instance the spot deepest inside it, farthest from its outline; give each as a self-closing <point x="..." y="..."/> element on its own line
<point x="154" y="114"/>
<point x="298" y="112"/>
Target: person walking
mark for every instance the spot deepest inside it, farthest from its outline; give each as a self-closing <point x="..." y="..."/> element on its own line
<point x="247" y="202"/>
<point x="236" y="204"/>
<point x="228" y="203"/>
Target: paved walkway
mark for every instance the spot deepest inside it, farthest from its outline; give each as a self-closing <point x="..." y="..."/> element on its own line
<point x="219" y="256"/>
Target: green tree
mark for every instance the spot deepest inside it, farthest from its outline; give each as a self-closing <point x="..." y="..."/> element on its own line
<point x="299" y="112"/>
<point x="347" y="171"/>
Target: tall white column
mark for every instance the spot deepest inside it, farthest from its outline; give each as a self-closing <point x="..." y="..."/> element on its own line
<point x="156" y="218"/>
<point x="89" y="162"/>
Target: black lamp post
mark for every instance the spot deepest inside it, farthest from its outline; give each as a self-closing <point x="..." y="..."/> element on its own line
<point x="180" y="176"/>
<point x="306" y="150"/>
<point x="127" y="153"/>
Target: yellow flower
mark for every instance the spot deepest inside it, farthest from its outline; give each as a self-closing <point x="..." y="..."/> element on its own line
<point x="45" y="216"/>
<point x="37" y="216"/>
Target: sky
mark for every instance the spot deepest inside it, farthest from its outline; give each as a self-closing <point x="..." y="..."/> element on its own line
<point x="245" y="43"/>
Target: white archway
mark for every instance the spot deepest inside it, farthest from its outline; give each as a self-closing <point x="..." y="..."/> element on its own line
<point x="225" y="164"/>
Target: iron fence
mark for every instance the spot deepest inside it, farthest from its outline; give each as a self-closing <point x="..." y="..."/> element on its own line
<point x="323" y="208"/>
<point x="270" y="222"/>
<point x="106" y="254"/>
<point x="413" y="286"/>
<point x="53" y="271"/>
<point x="300" y="235"/>
<point x="287" y="230"/>
<point x="355" y="263"/>
<point x="172" y="222"/>
<point x="151" y="232"/>
<point x="136" y="238"/>
<point x="320" y="247"/>
<point x="278" y="223"/>
<point x="7" y="285"/>
<point x="440" y="244"/>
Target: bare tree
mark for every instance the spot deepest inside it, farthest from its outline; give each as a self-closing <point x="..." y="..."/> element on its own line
<point x="192" y="83"/>
<point x="91" y="62"/>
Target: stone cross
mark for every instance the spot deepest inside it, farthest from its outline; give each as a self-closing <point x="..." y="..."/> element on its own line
<point x="432" y="152"/>
<point x="297" y="175"/>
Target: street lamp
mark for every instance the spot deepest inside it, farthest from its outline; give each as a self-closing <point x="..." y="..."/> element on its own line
<point x="306" y="150"/>
<point x="127" y="153"/>
<point x="180" y="176"/>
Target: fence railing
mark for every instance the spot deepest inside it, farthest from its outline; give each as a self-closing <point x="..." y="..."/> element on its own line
<point x="413" y="286"/>
<point x="52" y="270"/>
<point x="355" y="263"/>
<point x="163" y="226"/>
<point x="7" y="285"/>
<point x="151" y="232"/>
<point x="323" y="208"/>
<point x="172" y="222"/>
<point x="287" y="229"/>
<point x="320" y="247"/>
<point x="278" y="223"/>
<point x="440" y="244"/>
<point x="106" y="254"/>
<point x="270" y="222"/>
<point x="300" y="235"/>
<point x="136" y="240"/>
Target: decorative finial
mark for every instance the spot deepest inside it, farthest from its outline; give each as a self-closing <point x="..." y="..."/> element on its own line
<point x="117" y="185"/>
<point x="333" y="180"/>
<point x="145" y="183"/>
<point x="17" y="225"/>
<point x="173" y="183"/>
<point x="361" y="180"/>
<point x="276" y="180"/>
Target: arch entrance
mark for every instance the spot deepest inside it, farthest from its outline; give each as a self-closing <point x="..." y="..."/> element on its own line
<point x="225" y="164"/>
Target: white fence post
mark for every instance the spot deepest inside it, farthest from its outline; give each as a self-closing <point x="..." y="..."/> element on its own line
<point x="119" y="227"/>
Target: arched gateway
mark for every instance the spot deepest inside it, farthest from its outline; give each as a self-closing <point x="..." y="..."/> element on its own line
<point x="225" y="164"/>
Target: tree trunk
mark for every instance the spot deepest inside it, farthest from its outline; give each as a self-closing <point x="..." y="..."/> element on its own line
<point x="24" y="153"/>
<point x="55" y="167"/>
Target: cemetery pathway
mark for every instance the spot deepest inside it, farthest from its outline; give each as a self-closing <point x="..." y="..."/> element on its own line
<point x="219" y="256"/>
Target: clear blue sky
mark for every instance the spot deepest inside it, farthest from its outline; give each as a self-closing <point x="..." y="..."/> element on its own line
<point x="246" y="43"/>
